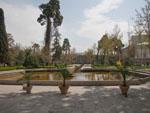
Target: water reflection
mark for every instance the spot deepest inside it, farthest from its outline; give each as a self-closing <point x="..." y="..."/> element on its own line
<point x="97" y="76"/>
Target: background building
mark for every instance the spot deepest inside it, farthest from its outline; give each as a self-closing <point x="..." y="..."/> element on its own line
<point x="141" y="49"/>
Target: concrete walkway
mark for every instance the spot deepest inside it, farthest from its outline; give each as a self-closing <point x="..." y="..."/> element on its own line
<point x="86" y="66"/>
<point x="47" y="99"/>
<point x="11" y="71"/>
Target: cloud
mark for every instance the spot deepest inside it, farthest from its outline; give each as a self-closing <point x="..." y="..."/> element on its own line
<point x="96" y="22"/>
<point x="21" y="22"/>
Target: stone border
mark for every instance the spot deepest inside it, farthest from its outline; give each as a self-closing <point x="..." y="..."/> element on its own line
<point x="77" y="83"/>
<point x="98" y="70"/>
<point x="43" y="70"/>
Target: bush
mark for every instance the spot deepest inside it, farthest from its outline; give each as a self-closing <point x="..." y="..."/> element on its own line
<point x="31" y="61"/>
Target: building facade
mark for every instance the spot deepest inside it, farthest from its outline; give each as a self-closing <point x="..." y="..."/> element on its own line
<point x="141" y="49"/>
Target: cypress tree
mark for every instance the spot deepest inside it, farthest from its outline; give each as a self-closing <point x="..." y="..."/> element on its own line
<point x="3" y="40"/>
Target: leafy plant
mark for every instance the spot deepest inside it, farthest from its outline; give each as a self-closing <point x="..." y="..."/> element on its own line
<point x="27" y="77"/>
<point x="123" y="70"/>
<point x="64" y="73"/>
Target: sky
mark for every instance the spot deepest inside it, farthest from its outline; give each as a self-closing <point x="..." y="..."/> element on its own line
<point x="85" y="21"/>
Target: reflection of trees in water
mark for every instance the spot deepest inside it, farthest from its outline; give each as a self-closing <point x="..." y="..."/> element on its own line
<point x="46" y="76"/>
<point x="40" y="76"/>
<point x="90" y="76"/>
<point x="117" y="76"/>
<point x="84" y="76"/>
<point x="12" y="76"/>
<point x="103" y="76"/>
<point x="55" y="76"/>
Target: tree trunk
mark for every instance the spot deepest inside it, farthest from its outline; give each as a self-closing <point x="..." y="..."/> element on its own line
<point x="97" y="59"/>
<point x="48" y="37"/>
<point x="64" y="82"/>
<point x="124" y="80"/>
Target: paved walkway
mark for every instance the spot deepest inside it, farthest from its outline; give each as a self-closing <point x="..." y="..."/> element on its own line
<point x="11" y="71"/>
<point x="86" y="66"/>
<point x="80" y="100"/>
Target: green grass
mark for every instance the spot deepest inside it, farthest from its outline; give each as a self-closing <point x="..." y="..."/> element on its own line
<point x="142" y="67"/>
<point x="100" y="66"/>
<point x="7" y="68"/>
<point x="49" y="66"/>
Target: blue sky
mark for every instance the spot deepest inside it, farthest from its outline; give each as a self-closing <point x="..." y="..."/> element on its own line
<point x="85" y="21"/>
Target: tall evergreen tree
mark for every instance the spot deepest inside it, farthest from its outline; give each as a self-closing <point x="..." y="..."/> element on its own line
<point x="66" y="51"/>
<point x="66" y="46"/>
<point x="35" y="47"/>
<point x="57" y="50"/>
<point x="52" y="17"/>
<point x="3" y="40"/>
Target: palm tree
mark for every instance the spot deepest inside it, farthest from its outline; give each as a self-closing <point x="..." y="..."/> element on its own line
<point x="52" y="17"/>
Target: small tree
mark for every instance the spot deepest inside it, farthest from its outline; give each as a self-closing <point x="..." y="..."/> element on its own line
<point x="27" y="77"/>
<point x="121" y="66"/>
<point x="123" y="70"/>
<point x="65" y="74"/>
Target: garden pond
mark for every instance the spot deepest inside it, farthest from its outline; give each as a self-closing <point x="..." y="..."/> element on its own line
<point x="81" y="76"/>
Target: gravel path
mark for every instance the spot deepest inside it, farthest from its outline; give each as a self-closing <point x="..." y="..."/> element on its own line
<point x="45" y="99"/>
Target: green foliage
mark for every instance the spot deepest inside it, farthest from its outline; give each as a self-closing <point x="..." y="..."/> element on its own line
<point x="49" y="66"/>
<point x="63" y="72"/>
<point x="57" y="50"/>
<point x="20" y="58"/>
<point x="110" y="47"/>
<point x="61" y="66"/>
<point x="100" y="66"/>
<point x="66" y="46"/>
<point x="123" y="70"/>
<point x="27" y="77"/>
<point x="31" y="61"/>
<point x="7" y="68"/>
<point x="66" y="51"/>
<point x="3" y="40"/>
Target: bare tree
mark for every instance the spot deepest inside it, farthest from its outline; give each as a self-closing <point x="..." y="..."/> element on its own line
<point x="143" y="20"/>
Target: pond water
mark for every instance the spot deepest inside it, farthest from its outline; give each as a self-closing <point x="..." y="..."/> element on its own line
<point x="98" y="76"/>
